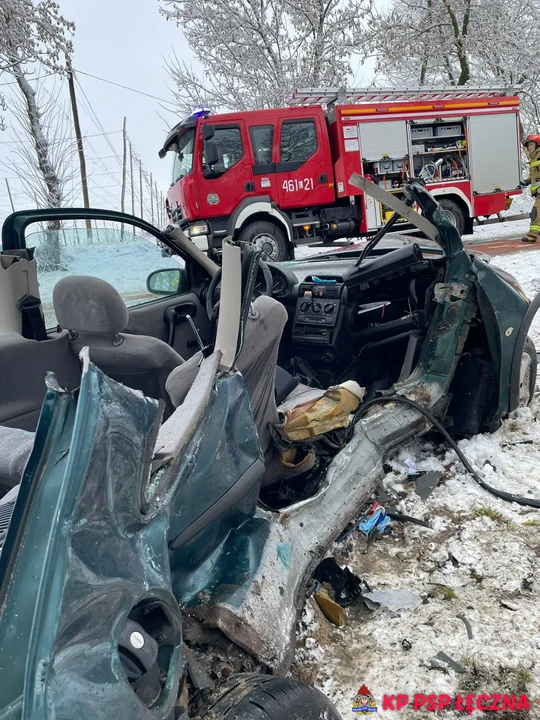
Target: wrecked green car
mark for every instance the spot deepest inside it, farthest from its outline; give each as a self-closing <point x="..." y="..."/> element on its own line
<point x="160" y="522"/>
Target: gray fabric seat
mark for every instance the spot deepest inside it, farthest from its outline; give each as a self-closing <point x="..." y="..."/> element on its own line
<point x="257" y="363"/>
<point x="24" y="365"/>
<point x="7" y="506"/>
<point x="15" y="448"/>
<point x="95" y="314"/>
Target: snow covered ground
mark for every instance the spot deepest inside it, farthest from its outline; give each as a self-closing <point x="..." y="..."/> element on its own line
<point x="480" y="559"/>
<point x="498" y="231"/>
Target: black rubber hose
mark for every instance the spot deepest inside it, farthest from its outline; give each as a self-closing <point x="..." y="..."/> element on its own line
<point x="361" y="412"/>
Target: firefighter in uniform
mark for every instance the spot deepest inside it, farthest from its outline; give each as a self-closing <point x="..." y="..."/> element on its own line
<point x="532" y="145"/>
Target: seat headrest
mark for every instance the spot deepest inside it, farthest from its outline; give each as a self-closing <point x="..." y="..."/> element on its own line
<point x="86" y="304"/>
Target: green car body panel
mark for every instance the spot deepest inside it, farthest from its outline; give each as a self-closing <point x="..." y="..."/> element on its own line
<point x="85" y="555"/>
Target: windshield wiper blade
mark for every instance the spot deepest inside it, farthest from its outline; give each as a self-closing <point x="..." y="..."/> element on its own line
<point x="379" y="236"/>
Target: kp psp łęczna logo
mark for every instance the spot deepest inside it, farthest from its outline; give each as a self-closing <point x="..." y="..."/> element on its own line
<point x="364" y="702"/>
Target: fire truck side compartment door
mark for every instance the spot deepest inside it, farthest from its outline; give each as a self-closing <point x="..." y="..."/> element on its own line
<point x="494" y="152"/>
<point x="383" y="138"/>
<point x="304" y="172"/>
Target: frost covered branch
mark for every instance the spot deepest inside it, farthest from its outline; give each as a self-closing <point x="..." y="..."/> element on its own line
<point x="254" y="53"/>
<point x="458" y="42"/>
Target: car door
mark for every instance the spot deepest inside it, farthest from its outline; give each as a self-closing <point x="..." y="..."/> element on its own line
<point x="226" y="183"/>
<point x="304" y="174"/>
<point x="158" y="285"/>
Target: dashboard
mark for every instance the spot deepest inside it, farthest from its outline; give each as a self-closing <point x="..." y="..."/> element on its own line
<point x="284" y="283"/>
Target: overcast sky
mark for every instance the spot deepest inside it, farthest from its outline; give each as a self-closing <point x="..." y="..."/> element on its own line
<point x="127" y="42"/>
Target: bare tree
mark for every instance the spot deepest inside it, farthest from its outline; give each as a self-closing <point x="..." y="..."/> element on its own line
<point x="458" y="42"/>
<point x="254" y="53"/>
<point x="36" y="34"/>
<point x="3" y="108"/>
<point x="47" y="177"/>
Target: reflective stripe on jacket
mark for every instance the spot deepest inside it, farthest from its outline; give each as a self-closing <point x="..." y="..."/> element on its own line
<point x="534" y="171"/>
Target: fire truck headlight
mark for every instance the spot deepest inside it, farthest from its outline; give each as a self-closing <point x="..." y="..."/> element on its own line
<point x="200" y="229"/>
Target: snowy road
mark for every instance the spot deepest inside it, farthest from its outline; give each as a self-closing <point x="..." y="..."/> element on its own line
<point x="481" y="558"/>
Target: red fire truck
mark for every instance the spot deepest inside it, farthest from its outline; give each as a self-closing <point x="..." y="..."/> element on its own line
<point x="279" y="178"/>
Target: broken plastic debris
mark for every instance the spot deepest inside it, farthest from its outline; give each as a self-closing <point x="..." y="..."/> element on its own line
<point x="330" y="412"/>
<point x="407" y="518"/>
<point x="345" y="584"/>
<point x="461" y="616"/>
<point x="411" y="465"/>
<point x="395" y="599"/>
<point x="199" y="677"/>
<point x="370" y="604"/>
<point x="425" y="484"/>
<point x="442" y="661"/>
<point x="375" y="520"/>
<point x="331" y="609"/>
<point x="509" y="605"/>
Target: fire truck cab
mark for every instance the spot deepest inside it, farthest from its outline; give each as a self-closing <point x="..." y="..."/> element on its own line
<point x="278" y="178"/>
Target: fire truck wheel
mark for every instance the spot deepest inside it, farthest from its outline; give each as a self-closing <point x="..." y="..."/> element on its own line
<point x="454" y="214"/>
<point x="267" y="237"/>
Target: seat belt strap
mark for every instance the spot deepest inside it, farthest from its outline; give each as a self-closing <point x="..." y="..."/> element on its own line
<point x="33" y="324"/>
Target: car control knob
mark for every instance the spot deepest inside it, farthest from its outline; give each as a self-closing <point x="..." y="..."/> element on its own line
<point x="304" y="306"/>
<point x="328" y="308"/>
<point x="316" y="307"/>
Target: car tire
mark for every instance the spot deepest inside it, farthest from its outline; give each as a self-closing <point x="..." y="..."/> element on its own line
<point x="454" y="213"/>
<point x="264" y="697"/>
<point x="269" y="238"/>
<point x="528" y="372"/>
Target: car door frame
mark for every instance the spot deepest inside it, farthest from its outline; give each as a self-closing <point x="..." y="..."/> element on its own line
<point x="13" y="238"/>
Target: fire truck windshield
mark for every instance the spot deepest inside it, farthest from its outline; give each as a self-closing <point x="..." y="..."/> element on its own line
<point x="183" y="157"/>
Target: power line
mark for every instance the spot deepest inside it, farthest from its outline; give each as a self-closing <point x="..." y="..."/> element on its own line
<point x="56" y="142"/>
<point x="95" y="119"/>
<point x="125" y="87"/>
<point x="14" y="82"/>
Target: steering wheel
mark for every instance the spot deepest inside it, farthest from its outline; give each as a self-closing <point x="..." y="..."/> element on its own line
<point x="261" y="288"/>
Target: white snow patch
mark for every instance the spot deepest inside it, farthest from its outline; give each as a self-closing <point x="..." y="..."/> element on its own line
<point x="499" y="231"/>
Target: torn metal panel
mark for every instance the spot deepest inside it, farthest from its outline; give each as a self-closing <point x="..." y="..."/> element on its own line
<point x="96" y="556"/>
<point x="425" y="484"/>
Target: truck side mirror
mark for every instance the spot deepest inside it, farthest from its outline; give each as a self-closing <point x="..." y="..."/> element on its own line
<point x="211" y="152"/>
<point x="208" y="131"/>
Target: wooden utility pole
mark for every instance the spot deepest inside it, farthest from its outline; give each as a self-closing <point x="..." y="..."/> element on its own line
<point x="132" y="183"/>
<point x="152" y="198"/>
<point x="10" y="197"/>
<point x="80" y="147"/>
<point x="124" y="169"/>
<point x="140" y="187"/>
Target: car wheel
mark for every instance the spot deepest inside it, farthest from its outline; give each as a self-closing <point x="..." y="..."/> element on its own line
<point x="527" y="375"/>
<point x="267" y="237"/>
<point x="454" y="213"/>
<point x="263" y="697"/>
